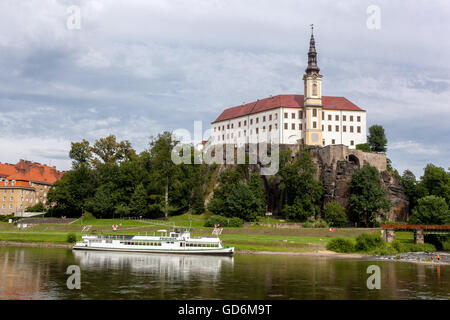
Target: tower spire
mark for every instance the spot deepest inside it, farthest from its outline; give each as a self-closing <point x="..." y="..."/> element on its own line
<point x="312" y="55"/>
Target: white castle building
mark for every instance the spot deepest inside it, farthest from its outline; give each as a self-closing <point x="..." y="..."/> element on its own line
<point x="311" y="119"/>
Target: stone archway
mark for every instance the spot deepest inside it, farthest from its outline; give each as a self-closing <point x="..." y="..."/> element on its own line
<point x="353" y="159"/>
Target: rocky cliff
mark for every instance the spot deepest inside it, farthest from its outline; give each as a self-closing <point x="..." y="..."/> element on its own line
<point x="335" y="166"/>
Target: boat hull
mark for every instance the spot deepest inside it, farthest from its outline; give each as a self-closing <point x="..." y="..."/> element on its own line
<point x="218" y="251"/>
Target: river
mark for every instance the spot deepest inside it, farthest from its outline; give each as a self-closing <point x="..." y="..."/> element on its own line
<point x="40" y="273"/>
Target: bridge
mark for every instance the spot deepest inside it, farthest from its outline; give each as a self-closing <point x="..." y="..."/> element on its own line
<point x="388" y="230"/>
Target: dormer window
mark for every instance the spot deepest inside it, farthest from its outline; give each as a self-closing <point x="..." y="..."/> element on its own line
<point x="6" y="182"/>
<point x="13" y="183"/>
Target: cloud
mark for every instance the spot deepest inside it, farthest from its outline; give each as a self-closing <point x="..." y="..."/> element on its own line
<point x="137" y="69"/>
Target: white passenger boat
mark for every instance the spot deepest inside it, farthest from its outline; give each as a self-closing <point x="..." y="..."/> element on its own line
<point x="178" y="240"/>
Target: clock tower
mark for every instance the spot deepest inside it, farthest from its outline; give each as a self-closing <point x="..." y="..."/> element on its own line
<point x="312" y="118"/>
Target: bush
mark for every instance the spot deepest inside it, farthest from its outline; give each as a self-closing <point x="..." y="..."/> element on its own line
<point x="71" y="238"/>
<point x="224" y="222"/>
<point x="412" y="247"/>
<point x="363" y="146"/>
<point x="343" y="245"/>
<point x="320" y="223"/>
<point x="335" y="214"/>
<point x="367" y="242"/>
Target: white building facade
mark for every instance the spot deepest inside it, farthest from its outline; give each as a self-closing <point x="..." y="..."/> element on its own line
<point x="310" y="118"/>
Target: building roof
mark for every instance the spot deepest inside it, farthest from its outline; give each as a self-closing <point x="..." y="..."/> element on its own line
<point x="18" y="184"/>
<point x="286" y="101"/>
<point x="25" y="171"/>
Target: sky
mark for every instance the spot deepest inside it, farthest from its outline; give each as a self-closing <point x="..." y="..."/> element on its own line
<point x="136" y="68"/>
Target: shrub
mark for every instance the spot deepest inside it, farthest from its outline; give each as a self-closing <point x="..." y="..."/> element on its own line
<point x="224" y="222"/>
<point x="343" y="245"/>
<point x="320" y="223"/>
<point x="367" y="242"/>
<point x="363" y="146"/>
<point x="71" y="238"/>
<point x="335" y="214"/>
<point x="412" y="247"/>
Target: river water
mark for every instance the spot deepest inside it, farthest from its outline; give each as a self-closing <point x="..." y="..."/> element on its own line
<point x="40" y="273"/>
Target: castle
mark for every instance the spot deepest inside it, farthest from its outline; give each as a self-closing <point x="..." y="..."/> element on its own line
<point x="310" y="119"/>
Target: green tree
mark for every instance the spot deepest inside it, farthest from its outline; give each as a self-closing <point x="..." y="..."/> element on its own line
<point x="410" y="185"/>
<point x="161" y="162"/>
<point x="255" y="185"/>
<point x="335" y="214"/>
<point x="435" y="181"/>
<point x="80" y="153"/>
<point x="110" y="151"/>
<point x="367" y="197"/>
<point x="242" y="203"/>
<point x="197" y="201"/>
<point x="302" y="191"/>
<point x="138" y="203"/>
<point x="431" y="210"/>
<point x="377" y="139"/>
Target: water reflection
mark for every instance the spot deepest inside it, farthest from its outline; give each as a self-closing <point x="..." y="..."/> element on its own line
<point x="169" y="266"/>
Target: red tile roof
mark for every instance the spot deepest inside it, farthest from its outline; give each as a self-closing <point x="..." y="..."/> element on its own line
<point x="7" y="169"/>
<point x="18" y="184"/>
<point x="287" y="101"/>
<point x="26" y="171"/>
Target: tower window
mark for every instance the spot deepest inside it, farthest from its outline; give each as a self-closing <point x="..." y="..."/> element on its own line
<point x="314" y="89"/>
<point x="323" y="115"/>
<point x="314" y="124"/>
<point x="314" y="112"/>
<point x="300" y="115"/>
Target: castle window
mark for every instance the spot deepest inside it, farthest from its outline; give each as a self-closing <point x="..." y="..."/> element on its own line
<point x="257" y="120"/>
<point x="337" y="118"/>
<point x="344" y="118"/>
<point x="276" y="116"/>
<point x="314" y="113"/>
<point x="293" y="126"/>
<point x="293" y="115"/>
<point x="232" y="126"/>
<point x="299" y="126"/>
<point x="351" y="128"/>
<point x="228" y="126"/>
<point x="223" y="137"/>
<point x="270" y="117"/>
<point x="245" y="122"/>
<point x="329" y="128"/>
<point x="257" y="130"/>
<point x="314" y="124"/>
<point x="337" y="128"/>
<point x="323" y="115"/>
<point x="223" y="128"/>
<point x="323" y="128"/>
<point x="270" y="127"/>
<point x="264" y="129"/>
<point x="352" y="142"/>
<point x="245" y="133"/>
<point x="300" y="115"/>
<point x="333" y="141"/>
<point x="359" y="129"/>
<point x="314" y="89"/>
<point x="264" y="118"/>
<point x="351" y="118"/>
<point x="276" y="126"/>
<point x="344" y="128"/>
<point x="251" y="121"/>
<point x="359" y="119"/>
<point x="329" y="117"/>
<point x="285" y="126"/>
<point x="239" y="124"/>
<point x="285" y="115"/>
